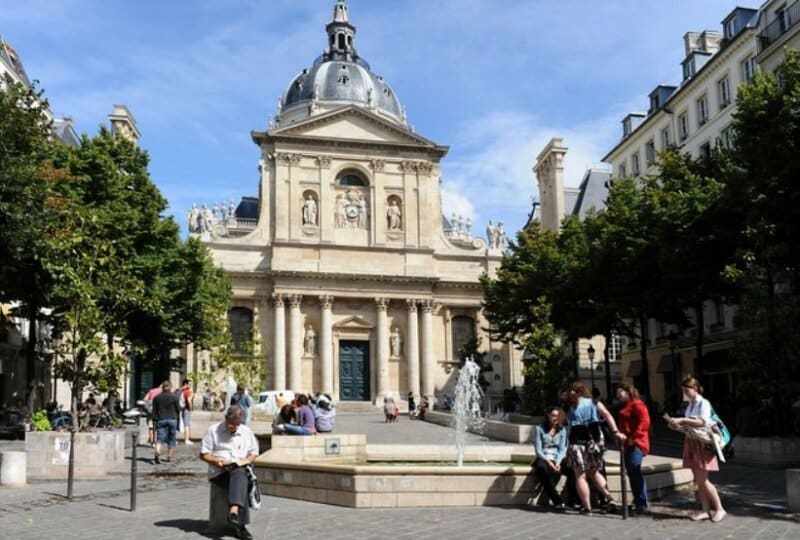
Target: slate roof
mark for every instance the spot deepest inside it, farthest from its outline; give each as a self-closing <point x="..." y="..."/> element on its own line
<point x="248" y="208"/>
<point x="592" y="192"/>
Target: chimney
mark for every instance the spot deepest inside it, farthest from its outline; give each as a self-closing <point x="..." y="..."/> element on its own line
<point x="123" y="123"/>
<point x="706" y="41"/>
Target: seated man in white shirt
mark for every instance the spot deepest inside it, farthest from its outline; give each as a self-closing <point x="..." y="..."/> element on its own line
<point x="229" y="446"/>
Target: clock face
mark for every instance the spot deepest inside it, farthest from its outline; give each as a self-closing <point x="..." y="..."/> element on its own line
<point x="352" y="212"/>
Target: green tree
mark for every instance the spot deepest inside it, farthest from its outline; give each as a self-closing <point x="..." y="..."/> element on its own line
<point x="24" y="188"/>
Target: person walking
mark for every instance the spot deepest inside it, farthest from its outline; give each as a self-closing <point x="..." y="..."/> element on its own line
<point x="586" y="445"/>
<point x="696" y="456"/>
<point x="412" y="406"/>
<point x="166" y="411"/>
<point x="186" y="410"/>
<point x="148" y="407"/>
<point x="550" y="441"/>
<point x="634" y="426"/>
<point x="242" y="399"/>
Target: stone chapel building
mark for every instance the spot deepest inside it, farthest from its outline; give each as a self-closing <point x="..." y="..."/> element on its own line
<point x="354" y="281"/>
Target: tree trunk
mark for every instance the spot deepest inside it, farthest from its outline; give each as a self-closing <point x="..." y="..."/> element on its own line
<point x="77" y="391"/>
<point x="643" y="341"/>
<point x="607" y="367"/>
<point x="575" y="357"/>
<point x="31" y="382"/>
<point x="699" y="338"/>
<point x="772" y="326"/>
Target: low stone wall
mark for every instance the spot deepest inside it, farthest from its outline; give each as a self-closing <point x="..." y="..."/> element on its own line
<point x="793" y="489"/>
<point x="201" y="420"/>
<point x="96" y="453"/>
<point x="494" y="429"/>
<point x="777" y="452"/>
<point x="372" y="476"/>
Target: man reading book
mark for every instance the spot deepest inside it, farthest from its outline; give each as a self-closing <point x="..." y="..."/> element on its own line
<point x="228" y="446"/>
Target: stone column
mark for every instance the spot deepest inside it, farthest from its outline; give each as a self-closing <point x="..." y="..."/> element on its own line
<point x="279" y="344"/>
<point x="295" y="344"/>
<point x="412" y="347"/>
<point x="326" y="343"/>
<point x="382" y="346"/>
<point x="427" y="348"/>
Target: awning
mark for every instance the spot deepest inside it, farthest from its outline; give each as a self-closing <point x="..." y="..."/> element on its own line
<point x="635" y="368"/>
<point x="665" y="364"/>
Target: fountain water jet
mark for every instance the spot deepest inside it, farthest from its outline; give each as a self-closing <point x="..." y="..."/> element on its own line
<point x="467" y="406"/>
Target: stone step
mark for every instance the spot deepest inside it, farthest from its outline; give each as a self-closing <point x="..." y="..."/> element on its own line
<point x="357" y="407"/>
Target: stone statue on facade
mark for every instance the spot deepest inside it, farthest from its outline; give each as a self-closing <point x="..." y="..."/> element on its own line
<point x="231" y="210"/>
<point x="341" y="211"/>
<point x="194" y="219"/>
<point x="205" y="220"/>
<point x="310" y="212"/>
<point x="395" y="343"/>
<point x="495" y="235"/>
<point x="394" y="217"/>
<point x="310" y="341"/>
<point x="501" y="236"/>
<point x="362" y="212"/>
<point x="490" y="234"/>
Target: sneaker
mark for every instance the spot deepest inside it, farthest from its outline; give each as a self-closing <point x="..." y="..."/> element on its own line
<point x="189" y="442"/>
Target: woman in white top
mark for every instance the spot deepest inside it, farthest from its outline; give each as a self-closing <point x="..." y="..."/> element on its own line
<point x="696" y="455"/>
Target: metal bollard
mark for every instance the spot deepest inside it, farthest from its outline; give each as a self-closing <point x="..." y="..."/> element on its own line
<point x="134" y="444"/>
<point x="622" y="476"/>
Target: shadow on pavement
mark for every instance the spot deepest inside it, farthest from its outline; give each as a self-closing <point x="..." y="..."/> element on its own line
<point x="197" y="526"/>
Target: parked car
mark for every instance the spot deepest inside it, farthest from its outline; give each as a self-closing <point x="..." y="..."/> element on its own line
<point x="267" y="401"/>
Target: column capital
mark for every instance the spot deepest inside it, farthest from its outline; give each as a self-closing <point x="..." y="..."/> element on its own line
<point x="411" y="304"/>
<point x="326" y="301"/>
<point x="277" y="299"/>
<point x="381" y="303"/>
<point x="428" y="305"/>
<point x="295" y="299"/>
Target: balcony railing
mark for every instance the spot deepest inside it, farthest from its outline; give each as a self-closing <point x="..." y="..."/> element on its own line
<point x="782" y="23"/>
<point x="241" y="224"/>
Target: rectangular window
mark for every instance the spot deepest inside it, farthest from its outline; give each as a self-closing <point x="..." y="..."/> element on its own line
<point x="666" y="138"/>
<point x="730" y="28"/>
<point x="683" y="126"/>
<point x="726" y="137"/>
<point x="705" y="150"/>
<point x="623" y="171"/>
<point x="615" y="348"/>
<point x="702" y="110"/>
<point x="650" y="152"/>
<point x="748" y="69"/>
<point x="635" y="164"/>
<point x="724" y="89"/>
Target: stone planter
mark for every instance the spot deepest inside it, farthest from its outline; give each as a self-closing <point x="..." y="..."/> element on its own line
<point x="97" y="453"/>
<point x="777" y="452"/>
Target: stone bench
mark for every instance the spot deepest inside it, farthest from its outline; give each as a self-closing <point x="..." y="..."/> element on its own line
<point x="13" y="468"/>
<point x="218" y="508"/>
<point x="793" y="489"/>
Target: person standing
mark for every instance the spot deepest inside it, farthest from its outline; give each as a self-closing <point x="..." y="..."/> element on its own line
<point x="586" y="445"/>
<point x="242" y="399"/>
<point x="228" y="447"/>
<point x="550" y="441"/>
<point x="412" y="406"/>
<point x="148" y="407"/>
<point x="186" y="410"/>
<point x="696" y="456"/>
<point x="634" y="426"/>
<point x="166" y="411"/>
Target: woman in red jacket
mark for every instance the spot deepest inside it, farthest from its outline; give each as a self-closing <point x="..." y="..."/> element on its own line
<point x="634" y="423"/>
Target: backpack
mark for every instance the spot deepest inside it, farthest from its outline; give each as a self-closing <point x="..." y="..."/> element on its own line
<point x="725" y="434"/>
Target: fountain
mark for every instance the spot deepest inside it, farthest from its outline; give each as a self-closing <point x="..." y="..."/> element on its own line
<point x="467" y="406"/>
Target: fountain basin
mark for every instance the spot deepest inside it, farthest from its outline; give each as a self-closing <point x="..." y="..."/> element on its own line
<point x="359" y="476"/>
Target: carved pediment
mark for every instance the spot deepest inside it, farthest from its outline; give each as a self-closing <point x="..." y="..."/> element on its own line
<point x="353" y="322"/>
<point x="352" y="123"/>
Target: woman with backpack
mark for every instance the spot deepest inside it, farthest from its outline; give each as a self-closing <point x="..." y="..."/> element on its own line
<point x="696" y="455"/>
<point x="587" y="446"/>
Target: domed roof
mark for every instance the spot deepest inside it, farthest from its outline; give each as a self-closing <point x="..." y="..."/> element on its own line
<point x="341" y="75"/>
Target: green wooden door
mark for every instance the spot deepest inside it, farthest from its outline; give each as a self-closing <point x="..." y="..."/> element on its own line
<point x="354" y="371"/>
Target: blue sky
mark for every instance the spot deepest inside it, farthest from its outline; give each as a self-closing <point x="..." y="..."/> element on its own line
<point x="494" y="79"/>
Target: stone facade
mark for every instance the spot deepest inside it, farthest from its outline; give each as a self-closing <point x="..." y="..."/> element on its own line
<point x="351" y="245"/>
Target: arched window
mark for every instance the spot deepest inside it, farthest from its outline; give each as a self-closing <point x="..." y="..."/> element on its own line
<point x="351" y="178"/>
<point x="463" y="330"/>
<point x="241" y="323"/>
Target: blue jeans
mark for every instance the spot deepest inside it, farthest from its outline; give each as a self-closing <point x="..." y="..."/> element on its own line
<point x="294" y="429"/>
<point x="167" y="431"/>
<point x="633" y="463"/>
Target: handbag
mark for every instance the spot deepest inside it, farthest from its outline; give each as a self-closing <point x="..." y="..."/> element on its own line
<point x="253" y="492"/>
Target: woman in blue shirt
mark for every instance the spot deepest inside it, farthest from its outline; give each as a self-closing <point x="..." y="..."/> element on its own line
<point x="550" y="441"/>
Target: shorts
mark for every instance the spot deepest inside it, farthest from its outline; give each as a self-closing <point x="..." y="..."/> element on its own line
<point x="187" y="417"/>
<point x="167" y="432"/>
<point x="581" y="457"/>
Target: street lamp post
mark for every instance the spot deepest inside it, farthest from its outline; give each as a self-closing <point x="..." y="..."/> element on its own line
<point x="590" y="352"/>
<point x="673" y="344"/>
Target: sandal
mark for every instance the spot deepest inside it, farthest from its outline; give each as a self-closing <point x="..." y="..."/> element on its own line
<point x="701" y="516"/>
<point x="718" y="516"/>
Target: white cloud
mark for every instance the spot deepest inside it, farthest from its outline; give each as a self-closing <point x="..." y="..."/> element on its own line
<point x="456" y="203"/>
<point x="493" y="156"/>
